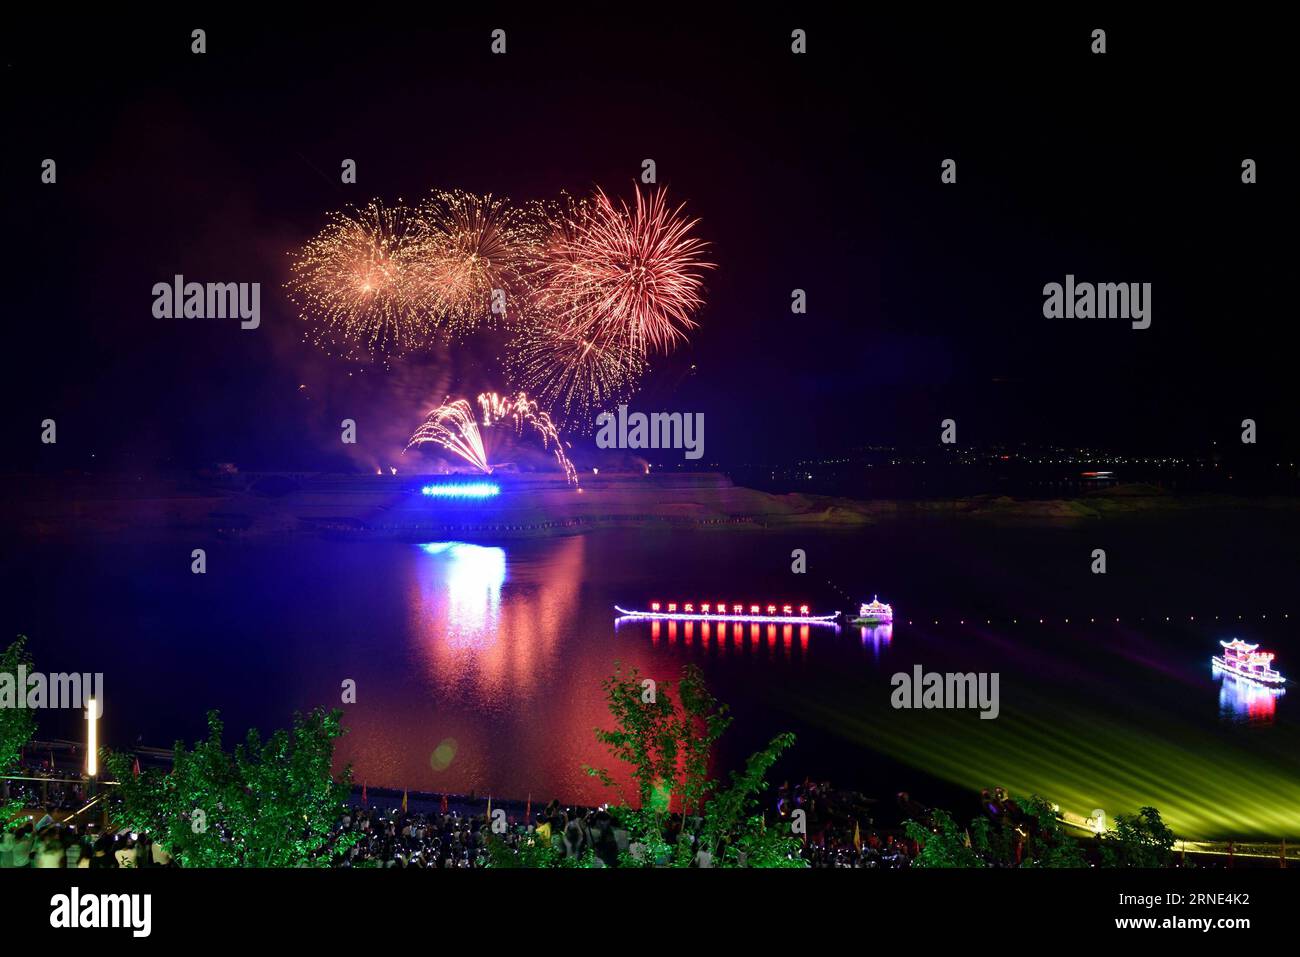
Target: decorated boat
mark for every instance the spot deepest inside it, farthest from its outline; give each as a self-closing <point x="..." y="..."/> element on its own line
<point x="1247" y="661"/>
<point x="728" y="611"/>
<point x="874" y="612"/>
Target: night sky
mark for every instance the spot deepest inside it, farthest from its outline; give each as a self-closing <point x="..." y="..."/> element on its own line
<point x="818" y="172"/>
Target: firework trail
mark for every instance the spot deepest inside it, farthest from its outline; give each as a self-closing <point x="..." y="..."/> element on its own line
<point x="359" y="283"/>
<point x="452" y="426"/>
<point x="523" y="410"/>
<point x="473" y="245"/>
<point x="615" y="274"/>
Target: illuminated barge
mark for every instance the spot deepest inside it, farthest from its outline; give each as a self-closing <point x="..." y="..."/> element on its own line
<point x="1244" y="661"/>
<point x="723" y="611"/>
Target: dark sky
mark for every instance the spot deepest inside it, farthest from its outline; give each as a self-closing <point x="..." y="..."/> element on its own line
<point x="819" y="172"/>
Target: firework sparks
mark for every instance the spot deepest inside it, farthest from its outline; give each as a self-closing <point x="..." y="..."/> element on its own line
<point x="572" y="376"/>
<point x="615" y="274"/>
<point x="523" y="410"/>
<point x="453" y="427"/>
<point x="475" y="247"/>
<point x="359" y="284"/>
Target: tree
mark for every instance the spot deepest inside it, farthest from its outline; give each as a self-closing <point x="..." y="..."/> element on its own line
<point x="666" y="745"/>
<point x="267" y="804"/>
<point x="17" y="725"/>
<point x="1139" y="840"/>
<point x="735" y="831"/>
<point x="666" y="737"/>
<point x="942" y="844"/>
<point x="1049" y="844"/>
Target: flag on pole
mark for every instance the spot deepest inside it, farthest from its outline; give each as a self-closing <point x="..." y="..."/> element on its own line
<point x="444" y="804"/>
<point x="365" y="802"/>
<point x="135" y="768"/>
<point x="857" y="837"/>
<point x="403" y="802"/>
<point x="528" y="809"/>
<point x="489" y="811"/>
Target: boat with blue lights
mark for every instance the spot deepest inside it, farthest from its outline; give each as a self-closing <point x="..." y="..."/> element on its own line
<point x="874" y="612"/>
<point x="1246" y="661"/>
<point x="729" y="611"/>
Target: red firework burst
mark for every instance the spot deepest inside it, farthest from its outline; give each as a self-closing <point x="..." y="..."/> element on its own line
<point x="628" y="275"/>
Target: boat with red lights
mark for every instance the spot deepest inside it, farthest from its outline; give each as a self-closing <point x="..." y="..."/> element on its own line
<point x="1246" y="661"/>
<point x="729" y="611"/>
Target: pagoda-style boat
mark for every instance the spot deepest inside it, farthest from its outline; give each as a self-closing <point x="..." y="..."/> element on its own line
<point x="1245" y="661"/>
<point x="874" y="612"/>
<point x="724" y="611"/>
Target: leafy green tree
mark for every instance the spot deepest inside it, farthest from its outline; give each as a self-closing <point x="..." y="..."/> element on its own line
<point x="666" y="738"/>
<point x="533" y="852"/>
<point x="942" y="844"/>
<point x="1048" y="844"/>
<point x="270" y="803"/>
<point x="666" y="745"/>
<point x="734" y="830"/>
<point x="1139" y="840"/>
<point x="17" y="725"/>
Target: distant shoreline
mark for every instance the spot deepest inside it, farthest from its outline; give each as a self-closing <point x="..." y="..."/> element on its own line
<point x="278" y="506"/>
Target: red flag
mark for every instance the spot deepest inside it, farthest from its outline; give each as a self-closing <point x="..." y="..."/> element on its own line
<point x="365" y="802"/>
<point x="444" y="804"/>
<point x="135" y="768"/>
<point x="403" y="802"/>
<point x="528" y="810"/>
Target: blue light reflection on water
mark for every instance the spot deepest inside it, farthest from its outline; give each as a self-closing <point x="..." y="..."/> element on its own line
<point x="465" y="585"/>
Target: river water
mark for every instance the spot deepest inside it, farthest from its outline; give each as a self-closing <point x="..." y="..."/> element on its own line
<point x="478" y="664"/>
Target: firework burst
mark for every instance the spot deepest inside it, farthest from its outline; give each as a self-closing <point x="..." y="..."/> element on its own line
<point x="359" y="283"/>
<point x="473" y="246"/>
<point x="619" y="274"/>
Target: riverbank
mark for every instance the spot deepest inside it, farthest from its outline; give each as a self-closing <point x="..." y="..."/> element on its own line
<point x="305" y="505"/>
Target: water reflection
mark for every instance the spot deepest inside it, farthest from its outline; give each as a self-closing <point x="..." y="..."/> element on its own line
<point x="727" y="637"/>
<point x="877" y="637"/>
<point x="464" y="584"/>
<point x="1247" y="702"/>
<point x="480" y="638"/>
